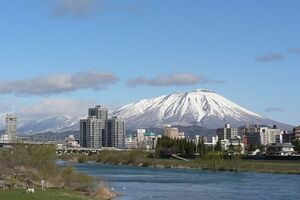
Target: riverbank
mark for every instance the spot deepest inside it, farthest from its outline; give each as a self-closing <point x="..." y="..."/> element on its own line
<point x="143" y="159"/>
<point x="30" y="166"/>
<point x="51" y="193"/>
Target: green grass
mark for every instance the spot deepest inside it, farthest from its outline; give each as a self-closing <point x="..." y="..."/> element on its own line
<point x="49" y="194"/>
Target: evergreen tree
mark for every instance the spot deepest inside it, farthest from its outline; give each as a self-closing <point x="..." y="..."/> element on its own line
<point x="218" y="146"/>
<point x="296" y="143"/>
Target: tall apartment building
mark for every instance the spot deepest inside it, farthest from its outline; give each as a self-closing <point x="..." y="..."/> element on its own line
<point x="91" y="131"/>
<point x="98" y="131"/>
<point x="296" y="133"/>
<point x="99" y="112"/>
<point x="11" y="127"/>
<point x="115" y="133"/>
<point x="268" y="135"/>
<point x="227" y="133"/>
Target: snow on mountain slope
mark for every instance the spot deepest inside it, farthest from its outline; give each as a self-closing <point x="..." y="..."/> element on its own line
<point x="200" y="107"/>
<point x="49" y="124"/>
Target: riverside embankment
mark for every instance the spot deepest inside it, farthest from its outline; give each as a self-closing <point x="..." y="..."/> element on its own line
<point x="209" y="162"/>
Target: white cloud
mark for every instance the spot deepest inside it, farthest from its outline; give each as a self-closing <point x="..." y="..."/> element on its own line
<point x="59" y="83"/>
<point x="274" y="109"/>
<point x="294" y="51"/>
<point x="53" y="108"/>
<point x="270" y="57"/>
<point x="76" y="8"/>
<point x="167" y="80"/>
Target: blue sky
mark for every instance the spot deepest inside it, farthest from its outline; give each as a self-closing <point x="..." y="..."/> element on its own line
<point x="247" y="51"/>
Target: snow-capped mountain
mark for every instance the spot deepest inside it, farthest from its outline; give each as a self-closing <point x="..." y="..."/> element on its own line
<point x="199" y="107"/>
<point x="49" y="124"/>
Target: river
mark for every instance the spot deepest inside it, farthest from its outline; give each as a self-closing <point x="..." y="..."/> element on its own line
<point x="183" y="184"/>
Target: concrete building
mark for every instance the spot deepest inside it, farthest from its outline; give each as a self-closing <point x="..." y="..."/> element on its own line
<point x="277" y="149"/>
<point x="131" y="142"/>
<point x="99" y="112"/>
<point x="11" y="127"/>
<point x="227" y="133"/>
<point x="171" y="132"/>
<point x="3" y="138"/>
<point x="296" y="133"/>
<point x="146" y="139"/>
<point x="287" y="137"/>
<point x="115" y="133"/>
<point x="210" y="141"/>
<point x="71" y="142"/>
<point x="140" y="134"/>
<point x="238" y="146"/>
<point x="268" y="135"/>
<point x="253" y="138"/>
<point x="91" y="131"/>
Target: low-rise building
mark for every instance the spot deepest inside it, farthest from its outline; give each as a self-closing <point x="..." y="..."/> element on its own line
<point x="72" y="142"/>
<point x="277" y="149"/>
<point x="131" y="142"/>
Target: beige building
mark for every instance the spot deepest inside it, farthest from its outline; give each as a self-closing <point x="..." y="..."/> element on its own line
<point x="173" y="133"/>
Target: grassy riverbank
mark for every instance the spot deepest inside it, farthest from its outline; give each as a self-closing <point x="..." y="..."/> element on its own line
<point x="49" y="194"/>
<point x="25" y="165"/>
<point x="210" y="162"/>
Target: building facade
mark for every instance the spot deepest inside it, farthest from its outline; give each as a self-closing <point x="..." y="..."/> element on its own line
<point x="99" y="112"/>
<point x="268" y="135"/>
<point x="115" y="133"/>
<point x="253" y="138"/>
<point x="91" y="131"/>
<point x="227" y="133"/>
<point x="11" y="127"/>
<point x="296" y="133"/>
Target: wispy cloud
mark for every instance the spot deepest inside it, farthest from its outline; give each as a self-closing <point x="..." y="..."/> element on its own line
<point x="53" y="108"/>
<point x="294" y="51"/>
<point x="59" y="83"/>
<point x="176" y="79"/>
<point x="76" y="8"/>
<point x="270" y="57"/>
<point x="274" y="109"/>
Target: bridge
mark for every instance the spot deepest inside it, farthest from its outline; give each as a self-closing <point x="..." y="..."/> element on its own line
<point x="75" y="150"/>
<point x="71" y="150"/>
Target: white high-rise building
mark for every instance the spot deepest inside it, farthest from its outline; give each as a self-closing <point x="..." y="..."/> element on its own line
<point x="268" y="135"/>
<point x="11" y="127"/>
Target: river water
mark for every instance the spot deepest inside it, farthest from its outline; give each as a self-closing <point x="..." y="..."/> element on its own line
<point x="182" y="184"/>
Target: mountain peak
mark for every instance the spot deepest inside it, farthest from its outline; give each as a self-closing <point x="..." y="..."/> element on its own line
<point x="200" y="107"/>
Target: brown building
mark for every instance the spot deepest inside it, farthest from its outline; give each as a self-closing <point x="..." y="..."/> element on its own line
<point x="296" y="132"/>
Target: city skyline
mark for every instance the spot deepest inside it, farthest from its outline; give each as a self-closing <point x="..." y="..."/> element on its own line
<point x="57" y="55"/>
